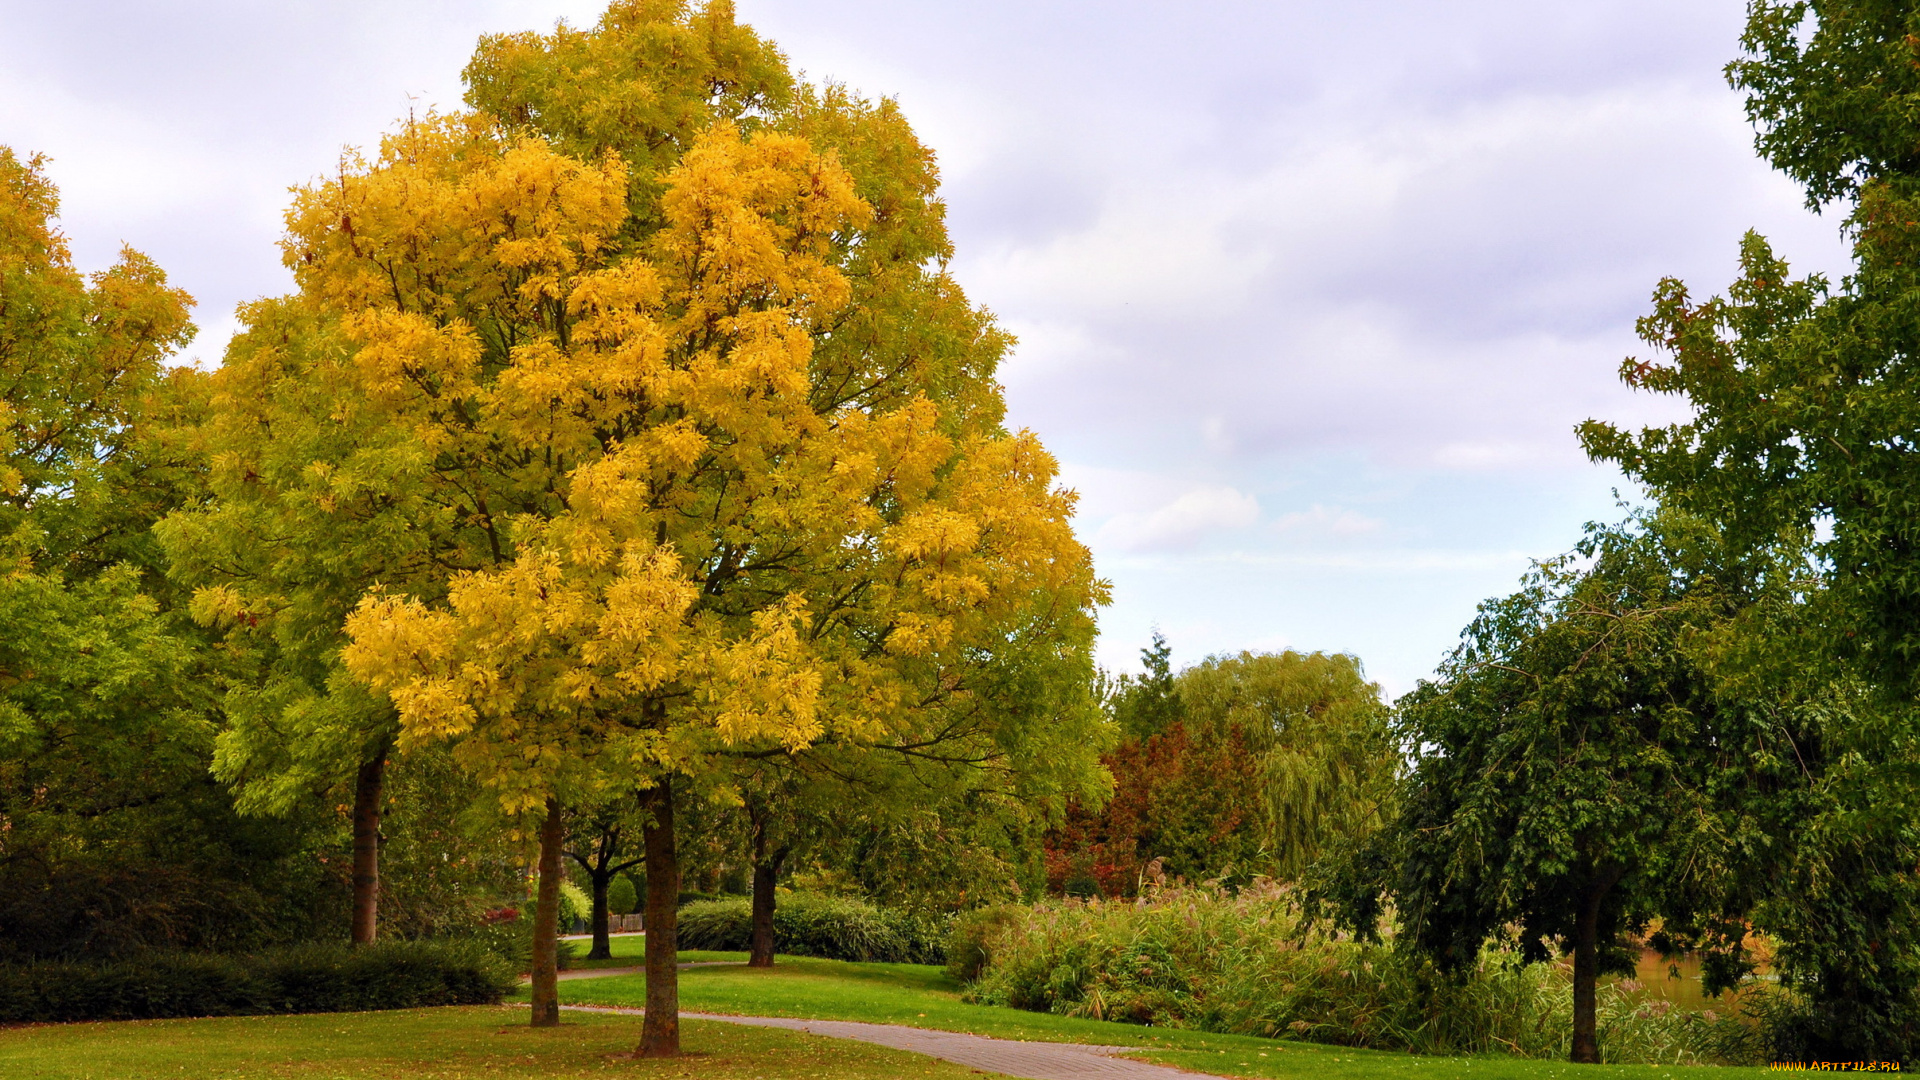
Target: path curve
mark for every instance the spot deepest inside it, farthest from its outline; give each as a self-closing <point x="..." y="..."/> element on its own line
<point x="1029" y="1060"/>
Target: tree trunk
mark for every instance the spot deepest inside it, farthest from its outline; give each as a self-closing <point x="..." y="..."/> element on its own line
<point x="766" y="872"/>
<point x="546" y="922"/>
<point x="368" y="787"/>
<point x="1586" y="971"/>
<point x="660" y="1032"/>
<point x="761" y="955"/>
<point x="602" y="944"/>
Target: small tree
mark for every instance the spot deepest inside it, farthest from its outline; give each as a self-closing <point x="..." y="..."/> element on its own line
<point x="1565" y="763"/>
<point x="1147" y="704"/>
<point x="308" y="506"/>
<point x="601" y="844"/>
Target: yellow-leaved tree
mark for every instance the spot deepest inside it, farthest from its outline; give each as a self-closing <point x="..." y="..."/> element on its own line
<point x="701" y="550"/>
<point x="636" y="421"/>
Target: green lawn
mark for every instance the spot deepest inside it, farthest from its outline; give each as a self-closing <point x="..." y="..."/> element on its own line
<point x="924" y="997"/>
<point x="630" y="950"/>
<point x="477" y="1043"/>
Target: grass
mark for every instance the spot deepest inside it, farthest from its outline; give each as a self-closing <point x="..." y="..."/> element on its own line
<point x="471" y="1043"/>
<point x="923" y="996"/>
<point x="630" y="950"/>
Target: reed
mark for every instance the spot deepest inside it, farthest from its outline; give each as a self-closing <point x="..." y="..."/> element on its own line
<point x="1248" y="964"/>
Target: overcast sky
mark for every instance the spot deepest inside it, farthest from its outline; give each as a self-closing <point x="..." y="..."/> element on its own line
<point x="1309" y="295"/>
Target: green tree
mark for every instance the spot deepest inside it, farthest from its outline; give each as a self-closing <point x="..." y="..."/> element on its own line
<point x="1804" y="403"/>
<point x="1565" y="765"/>
<point x="601" y="843"/>
<point x="114" y="837"/>
<point x="1147" y="704"/>
<point x="308" y="506"/>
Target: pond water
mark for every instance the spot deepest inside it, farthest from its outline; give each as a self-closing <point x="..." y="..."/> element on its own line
<point x="1677" y="981"/>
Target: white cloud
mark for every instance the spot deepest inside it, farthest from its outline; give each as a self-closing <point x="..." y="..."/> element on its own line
<point x="1182" y="522"/>
<point x="1326" y="523"/>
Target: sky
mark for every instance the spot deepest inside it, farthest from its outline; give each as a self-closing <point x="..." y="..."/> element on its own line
<point x="1309" y="296"/>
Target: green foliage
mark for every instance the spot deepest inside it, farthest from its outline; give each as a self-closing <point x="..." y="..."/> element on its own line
<point x="1831" y="87"/>
<point x="623" y="898"/>
<point x="832" y="927"/>
<point x="1803" y="400"/>
<point x="312" y="978"/>
<point x="575" y="905"/>
<point x="1147" y="704"/>
<point x="1254" y="764"/>
<point x="1246" y="965"/>
<point x="115" y="838"/>
<point x="1318" y="735"/>
<point x="1577" y="769"/>
<point x="446" y="854"/>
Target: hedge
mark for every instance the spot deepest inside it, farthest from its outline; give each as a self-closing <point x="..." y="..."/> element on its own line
<point x="306" y="979"/>
<point x="832" y="927"/>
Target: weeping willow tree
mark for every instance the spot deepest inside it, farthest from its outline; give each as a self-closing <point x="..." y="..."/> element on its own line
<point x="1316" y="738"/>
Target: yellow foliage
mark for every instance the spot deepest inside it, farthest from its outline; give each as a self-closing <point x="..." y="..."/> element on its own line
<point x="693" y="547"/>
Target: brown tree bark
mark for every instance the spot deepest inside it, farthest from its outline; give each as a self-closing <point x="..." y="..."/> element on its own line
<point x="764" y="876"/>
<point x="660" y="1031"/>
<point x="546" y="922"/>
<point x="368" y="786"/>
<point x="766" y="873"/>
<point x="1586" y="971"/>
<point x="602" y="941"/>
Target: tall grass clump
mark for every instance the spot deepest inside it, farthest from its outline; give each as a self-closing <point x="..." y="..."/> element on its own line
<point x="1246" y="964"/>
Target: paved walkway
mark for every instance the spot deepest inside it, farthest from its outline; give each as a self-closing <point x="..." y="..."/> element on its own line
<point x="1030" y="1060"/>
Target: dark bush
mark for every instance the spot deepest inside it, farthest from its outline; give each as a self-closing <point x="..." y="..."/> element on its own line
<point x="831" y="927"/>
<point x="314" y="978"/>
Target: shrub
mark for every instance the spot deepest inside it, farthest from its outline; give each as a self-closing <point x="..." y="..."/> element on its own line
<point x="1246" y="965"/>
<point x="313" y="978"/>
<point x="622" y="897"/>
<point x="507" y="933"/>
<point x="832" y="927"/>
<point x="575" y="905"/>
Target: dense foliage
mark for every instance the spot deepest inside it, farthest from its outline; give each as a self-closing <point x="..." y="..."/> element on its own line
<point x="627" y="477"/>
<point x="113" y="835"/>
<point x="830" y="927"/>
<point x="1577" y="769"/>
<point x="1802" y="434"/>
